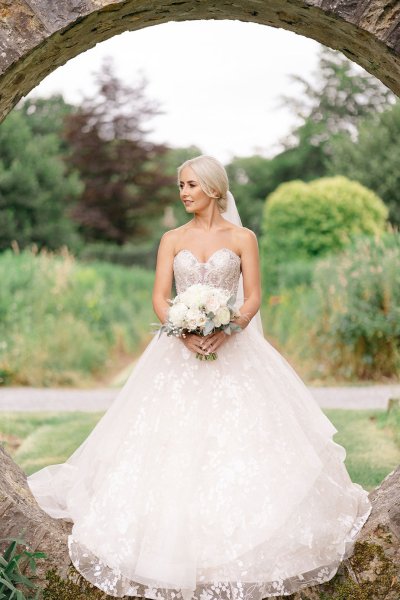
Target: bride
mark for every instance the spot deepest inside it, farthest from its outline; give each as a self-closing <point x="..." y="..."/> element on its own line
<point x="208" y="479"/>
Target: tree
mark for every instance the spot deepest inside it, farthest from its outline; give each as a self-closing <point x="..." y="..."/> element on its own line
<point x="34" y="188"/>
<point x="336" y="103"/>
<point x="374" y="158"/>
<point x="46" y="115"/>
<point x="249" y="179"/>
<point x="253" y="178"/>
<point x="125" y="182"/>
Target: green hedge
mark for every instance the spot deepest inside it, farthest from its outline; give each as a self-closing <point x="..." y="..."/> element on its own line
<point x="303" y="221"/>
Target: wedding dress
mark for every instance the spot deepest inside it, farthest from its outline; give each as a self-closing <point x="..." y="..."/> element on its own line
<point x="208" y="479"/>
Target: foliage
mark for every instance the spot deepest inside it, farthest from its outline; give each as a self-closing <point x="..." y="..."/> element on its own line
<point x="49" y="301"/>
<point x="295" y="273"/>
<point x="373" y="158"/>
<point x="340" y="97"/>
<point x="13" y="584"/>
<point x="143" y="255"/>
<point x="34" y="188"/>
<point x="337" y="102"/>
<point x="357" y="304"/>
<point x="304" y="221"/>
<point x="123" y="174"/>
<point x="346" y="324"/>
<point x="46" y="115"/>
<point x="250" y="183"/>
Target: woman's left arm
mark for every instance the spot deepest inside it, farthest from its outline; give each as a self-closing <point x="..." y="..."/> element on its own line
<point x="250" y="261"/>
<point x="251" y="289"/>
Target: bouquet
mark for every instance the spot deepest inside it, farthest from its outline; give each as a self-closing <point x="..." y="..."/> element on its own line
<point x="201" y="309"/>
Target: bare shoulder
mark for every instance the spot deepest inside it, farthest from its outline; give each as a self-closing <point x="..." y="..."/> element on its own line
<point x="247" y="239"/>
<point x="169" y="237"/>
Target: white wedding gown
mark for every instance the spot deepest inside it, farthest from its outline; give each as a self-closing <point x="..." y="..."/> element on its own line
<point x="207" y="479"/>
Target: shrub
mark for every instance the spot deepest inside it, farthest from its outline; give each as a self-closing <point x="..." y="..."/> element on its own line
<point x="48" y="301"/>
<point x="143" y="255"/>
<point x="295" y="273"/>
<point x="357" y="303"/>
<point x="303" y="221"/>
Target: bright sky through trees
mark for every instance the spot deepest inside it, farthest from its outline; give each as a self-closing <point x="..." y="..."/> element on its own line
<point x="217" y="81"/>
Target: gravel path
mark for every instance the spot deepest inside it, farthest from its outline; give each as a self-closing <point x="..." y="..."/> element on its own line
<point x="99" y="399"/>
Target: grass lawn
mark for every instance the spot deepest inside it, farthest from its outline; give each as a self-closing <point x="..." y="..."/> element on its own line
<point x="371" y="439"/>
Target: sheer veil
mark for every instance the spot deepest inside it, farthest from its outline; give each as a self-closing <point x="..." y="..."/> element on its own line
<point x="232" y="214"/>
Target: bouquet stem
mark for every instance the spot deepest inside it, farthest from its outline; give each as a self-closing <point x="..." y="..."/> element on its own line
<point x="210" y="356"/>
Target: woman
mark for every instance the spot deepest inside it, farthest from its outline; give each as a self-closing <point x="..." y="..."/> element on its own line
<point x="208" y="479"/>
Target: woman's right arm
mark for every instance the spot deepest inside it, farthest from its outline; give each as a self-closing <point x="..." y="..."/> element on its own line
<point x="163" y="287"/>
<point x="163" y="278"/>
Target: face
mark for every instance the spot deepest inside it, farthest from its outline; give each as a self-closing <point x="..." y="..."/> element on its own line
<point x="192" y="196"/>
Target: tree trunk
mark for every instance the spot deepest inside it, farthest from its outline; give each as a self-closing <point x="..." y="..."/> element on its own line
<point x="20" y="515"/>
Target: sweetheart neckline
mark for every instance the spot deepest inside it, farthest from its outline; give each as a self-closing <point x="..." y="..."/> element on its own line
<point x="209" y="258"/>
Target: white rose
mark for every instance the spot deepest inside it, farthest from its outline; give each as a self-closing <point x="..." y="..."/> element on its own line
<point x="223" y="315"/>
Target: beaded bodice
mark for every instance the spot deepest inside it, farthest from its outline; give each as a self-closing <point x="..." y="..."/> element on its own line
<point x="222" y="269"/>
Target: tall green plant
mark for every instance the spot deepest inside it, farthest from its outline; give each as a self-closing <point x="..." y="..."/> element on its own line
<point x="13" y="584"/>
<point x="357" y="309"/>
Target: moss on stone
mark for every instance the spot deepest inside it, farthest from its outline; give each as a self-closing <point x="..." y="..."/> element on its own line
<point x="74" y="587"/>
<point x="371" y="575"/>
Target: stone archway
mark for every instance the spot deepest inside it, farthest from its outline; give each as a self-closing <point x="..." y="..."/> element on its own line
<point x="37" y="36"/>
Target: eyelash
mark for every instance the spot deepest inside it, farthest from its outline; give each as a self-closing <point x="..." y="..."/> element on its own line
<point x="190" y="184"/>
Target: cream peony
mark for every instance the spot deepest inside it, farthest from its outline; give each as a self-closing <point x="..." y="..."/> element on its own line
<point x="193" y="316"/>
<point x="177" y="314"/>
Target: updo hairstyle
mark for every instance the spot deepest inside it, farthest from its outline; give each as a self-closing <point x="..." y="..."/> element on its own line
<point x="211" y="175"/>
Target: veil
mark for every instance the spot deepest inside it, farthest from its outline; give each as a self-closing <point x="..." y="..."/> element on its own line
<point x="232" y="214"/>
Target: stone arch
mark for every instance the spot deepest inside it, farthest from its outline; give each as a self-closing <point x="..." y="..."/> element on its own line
<point x="37" y="36"/>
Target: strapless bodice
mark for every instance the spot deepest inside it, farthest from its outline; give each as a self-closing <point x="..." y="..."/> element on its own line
<point x="222" y="269"/>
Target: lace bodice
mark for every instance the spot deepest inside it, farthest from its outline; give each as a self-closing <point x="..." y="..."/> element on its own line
<point x="222" y="269"/>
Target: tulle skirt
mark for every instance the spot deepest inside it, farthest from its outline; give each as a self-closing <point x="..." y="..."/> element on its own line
<point x="207" y="480"/>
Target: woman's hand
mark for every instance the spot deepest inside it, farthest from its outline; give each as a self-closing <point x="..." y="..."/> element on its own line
<point x="213" y="341"/>
<point x="204" y="344"/>
<point x="194" y="342"/>
<point x="242" y="320"/>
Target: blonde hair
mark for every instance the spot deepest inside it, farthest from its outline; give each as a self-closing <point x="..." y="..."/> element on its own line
<point x="211" y="175"/>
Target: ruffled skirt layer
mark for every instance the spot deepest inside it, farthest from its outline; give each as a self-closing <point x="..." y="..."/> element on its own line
<point x="208" y="480"/>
